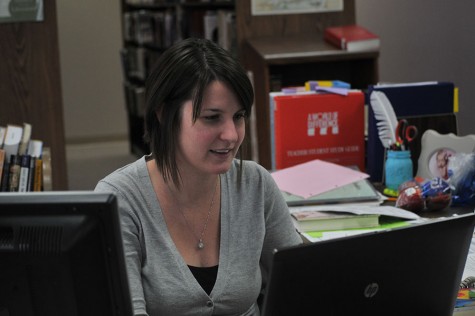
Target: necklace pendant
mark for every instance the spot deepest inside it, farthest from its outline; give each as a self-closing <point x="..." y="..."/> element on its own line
<point x="201" y="245"/>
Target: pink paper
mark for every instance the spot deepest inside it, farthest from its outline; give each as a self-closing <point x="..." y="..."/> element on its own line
<point x="315" y="177"/>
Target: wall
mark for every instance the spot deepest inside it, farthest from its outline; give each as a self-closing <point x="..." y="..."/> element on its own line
<point x="426" y="40"/>
<point x="89" y="43"/>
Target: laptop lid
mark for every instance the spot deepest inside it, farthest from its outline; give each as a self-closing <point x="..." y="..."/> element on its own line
<point x="404" y="271"/>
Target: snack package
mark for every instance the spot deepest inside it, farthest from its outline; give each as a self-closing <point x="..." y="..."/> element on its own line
<point x="462" y="178"/>
<point x="437" y="194"/>
<point x="410" y="196"/>
<point x="433" y="195"/>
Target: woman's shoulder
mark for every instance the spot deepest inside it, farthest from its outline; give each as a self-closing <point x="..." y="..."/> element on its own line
<point x="251" y="170"/>
<point x="248" y="166"/>
<point x="126" y="174"/>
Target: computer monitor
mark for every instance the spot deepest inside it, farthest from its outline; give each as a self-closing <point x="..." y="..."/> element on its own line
<point x="61" y="254"/>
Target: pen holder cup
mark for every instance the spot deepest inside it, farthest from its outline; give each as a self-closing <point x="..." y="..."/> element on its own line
<point x="398" y="168"/>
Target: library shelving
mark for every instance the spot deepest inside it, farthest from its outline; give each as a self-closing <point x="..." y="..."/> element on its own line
<point x="278" y="50"/>
<point x="150" y="27"/>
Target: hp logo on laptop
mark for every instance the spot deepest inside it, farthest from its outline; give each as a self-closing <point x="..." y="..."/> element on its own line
<point x="371" y="290"/>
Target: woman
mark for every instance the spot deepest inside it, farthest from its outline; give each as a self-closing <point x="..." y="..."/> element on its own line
<point x="199" y="226"/>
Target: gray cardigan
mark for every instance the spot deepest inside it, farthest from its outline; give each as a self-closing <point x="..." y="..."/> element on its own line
<point x="254" y="221"/>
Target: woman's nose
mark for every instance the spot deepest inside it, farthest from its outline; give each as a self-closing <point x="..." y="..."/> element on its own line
<point x="229" y="131"/>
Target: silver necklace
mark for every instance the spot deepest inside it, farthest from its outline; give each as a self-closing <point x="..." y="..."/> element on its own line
<point x="201" y="244"/>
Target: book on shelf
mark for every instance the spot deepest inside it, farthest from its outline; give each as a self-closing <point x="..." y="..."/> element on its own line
<point x="5" y="175"/>
<point x="24" y="170"/>
<point x="31" y="174"/>
<point x="3" y="129"/>
<point x="47" y="171"/>
<point x="35" y="148"/>
<point x="20" y="160"/>
<point x="14" y="179"/>
<point x="38" y="180"/>
<point x="13" y="137"/>
<point x="306" y="221"/>
<point x="352" y="38"/>
<point x="210" y="26"/>
<point x="25" y="139"/>
<point x="227" y="37"/>
<point x="2" y="162"/>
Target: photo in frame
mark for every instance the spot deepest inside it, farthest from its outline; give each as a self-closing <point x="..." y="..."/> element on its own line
<point x="436" y="149"/>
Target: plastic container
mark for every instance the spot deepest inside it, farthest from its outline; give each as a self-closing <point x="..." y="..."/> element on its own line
<point x="398" y="168"/>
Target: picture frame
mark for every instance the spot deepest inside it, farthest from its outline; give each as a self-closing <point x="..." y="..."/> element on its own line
<point x="272" y="7"/>
<point x="21" y="11"/>
<point x="436" y="150"/>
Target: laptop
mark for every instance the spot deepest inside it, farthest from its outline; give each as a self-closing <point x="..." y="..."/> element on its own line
<point x="413" y="270"/>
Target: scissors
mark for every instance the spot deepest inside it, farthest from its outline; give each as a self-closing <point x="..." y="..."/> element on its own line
<point x="405" y="133"/>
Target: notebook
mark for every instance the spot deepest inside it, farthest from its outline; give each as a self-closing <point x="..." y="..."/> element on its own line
<point x="413" y="270"/>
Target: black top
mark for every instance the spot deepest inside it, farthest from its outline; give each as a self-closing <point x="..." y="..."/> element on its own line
<point x="206" y="276"/>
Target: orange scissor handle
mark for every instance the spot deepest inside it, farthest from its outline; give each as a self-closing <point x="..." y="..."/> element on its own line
<point x="405" y="133"/>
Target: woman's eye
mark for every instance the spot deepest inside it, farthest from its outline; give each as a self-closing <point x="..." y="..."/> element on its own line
<point x="211" y="117"/>
<point x="239" y="116"/>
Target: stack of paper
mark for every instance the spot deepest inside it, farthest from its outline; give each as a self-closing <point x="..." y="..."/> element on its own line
<point x="326" y="187"/>
<point x="320" y="182"/>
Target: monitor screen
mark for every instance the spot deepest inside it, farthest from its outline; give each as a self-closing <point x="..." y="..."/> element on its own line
<point x="61" y="254"/>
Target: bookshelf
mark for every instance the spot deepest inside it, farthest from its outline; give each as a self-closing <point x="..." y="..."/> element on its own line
<point x="279" y="50"/>
<point x="287" y="50"/>
<point x="150" y="27"/>
<point x="31" y="89"/>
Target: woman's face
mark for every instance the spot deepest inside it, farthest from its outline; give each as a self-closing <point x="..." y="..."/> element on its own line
<point x="210" y="144"/>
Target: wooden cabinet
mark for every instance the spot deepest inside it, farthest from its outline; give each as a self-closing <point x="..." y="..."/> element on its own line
<point x="290" y="61"/>
<point x="30" y="86"/>
<point x="287" y="50"/>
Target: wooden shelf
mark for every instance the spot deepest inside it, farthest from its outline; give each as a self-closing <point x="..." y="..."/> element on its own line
<point x="300" y="49"/>
<point x="293" y="60"/>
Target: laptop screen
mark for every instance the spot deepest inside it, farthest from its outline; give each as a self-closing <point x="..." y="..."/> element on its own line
<point x="416" y="269"/>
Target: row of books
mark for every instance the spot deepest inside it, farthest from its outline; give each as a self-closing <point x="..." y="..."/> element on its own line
<point x="150" y="2"/>
<point x="160" y="29"/>
<point x="25" y="164"/>
<point x="154" y="28"/>
<point x="135" y="99"/>
<point x="137" y="62"/>
<point x="220" y="27"/>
